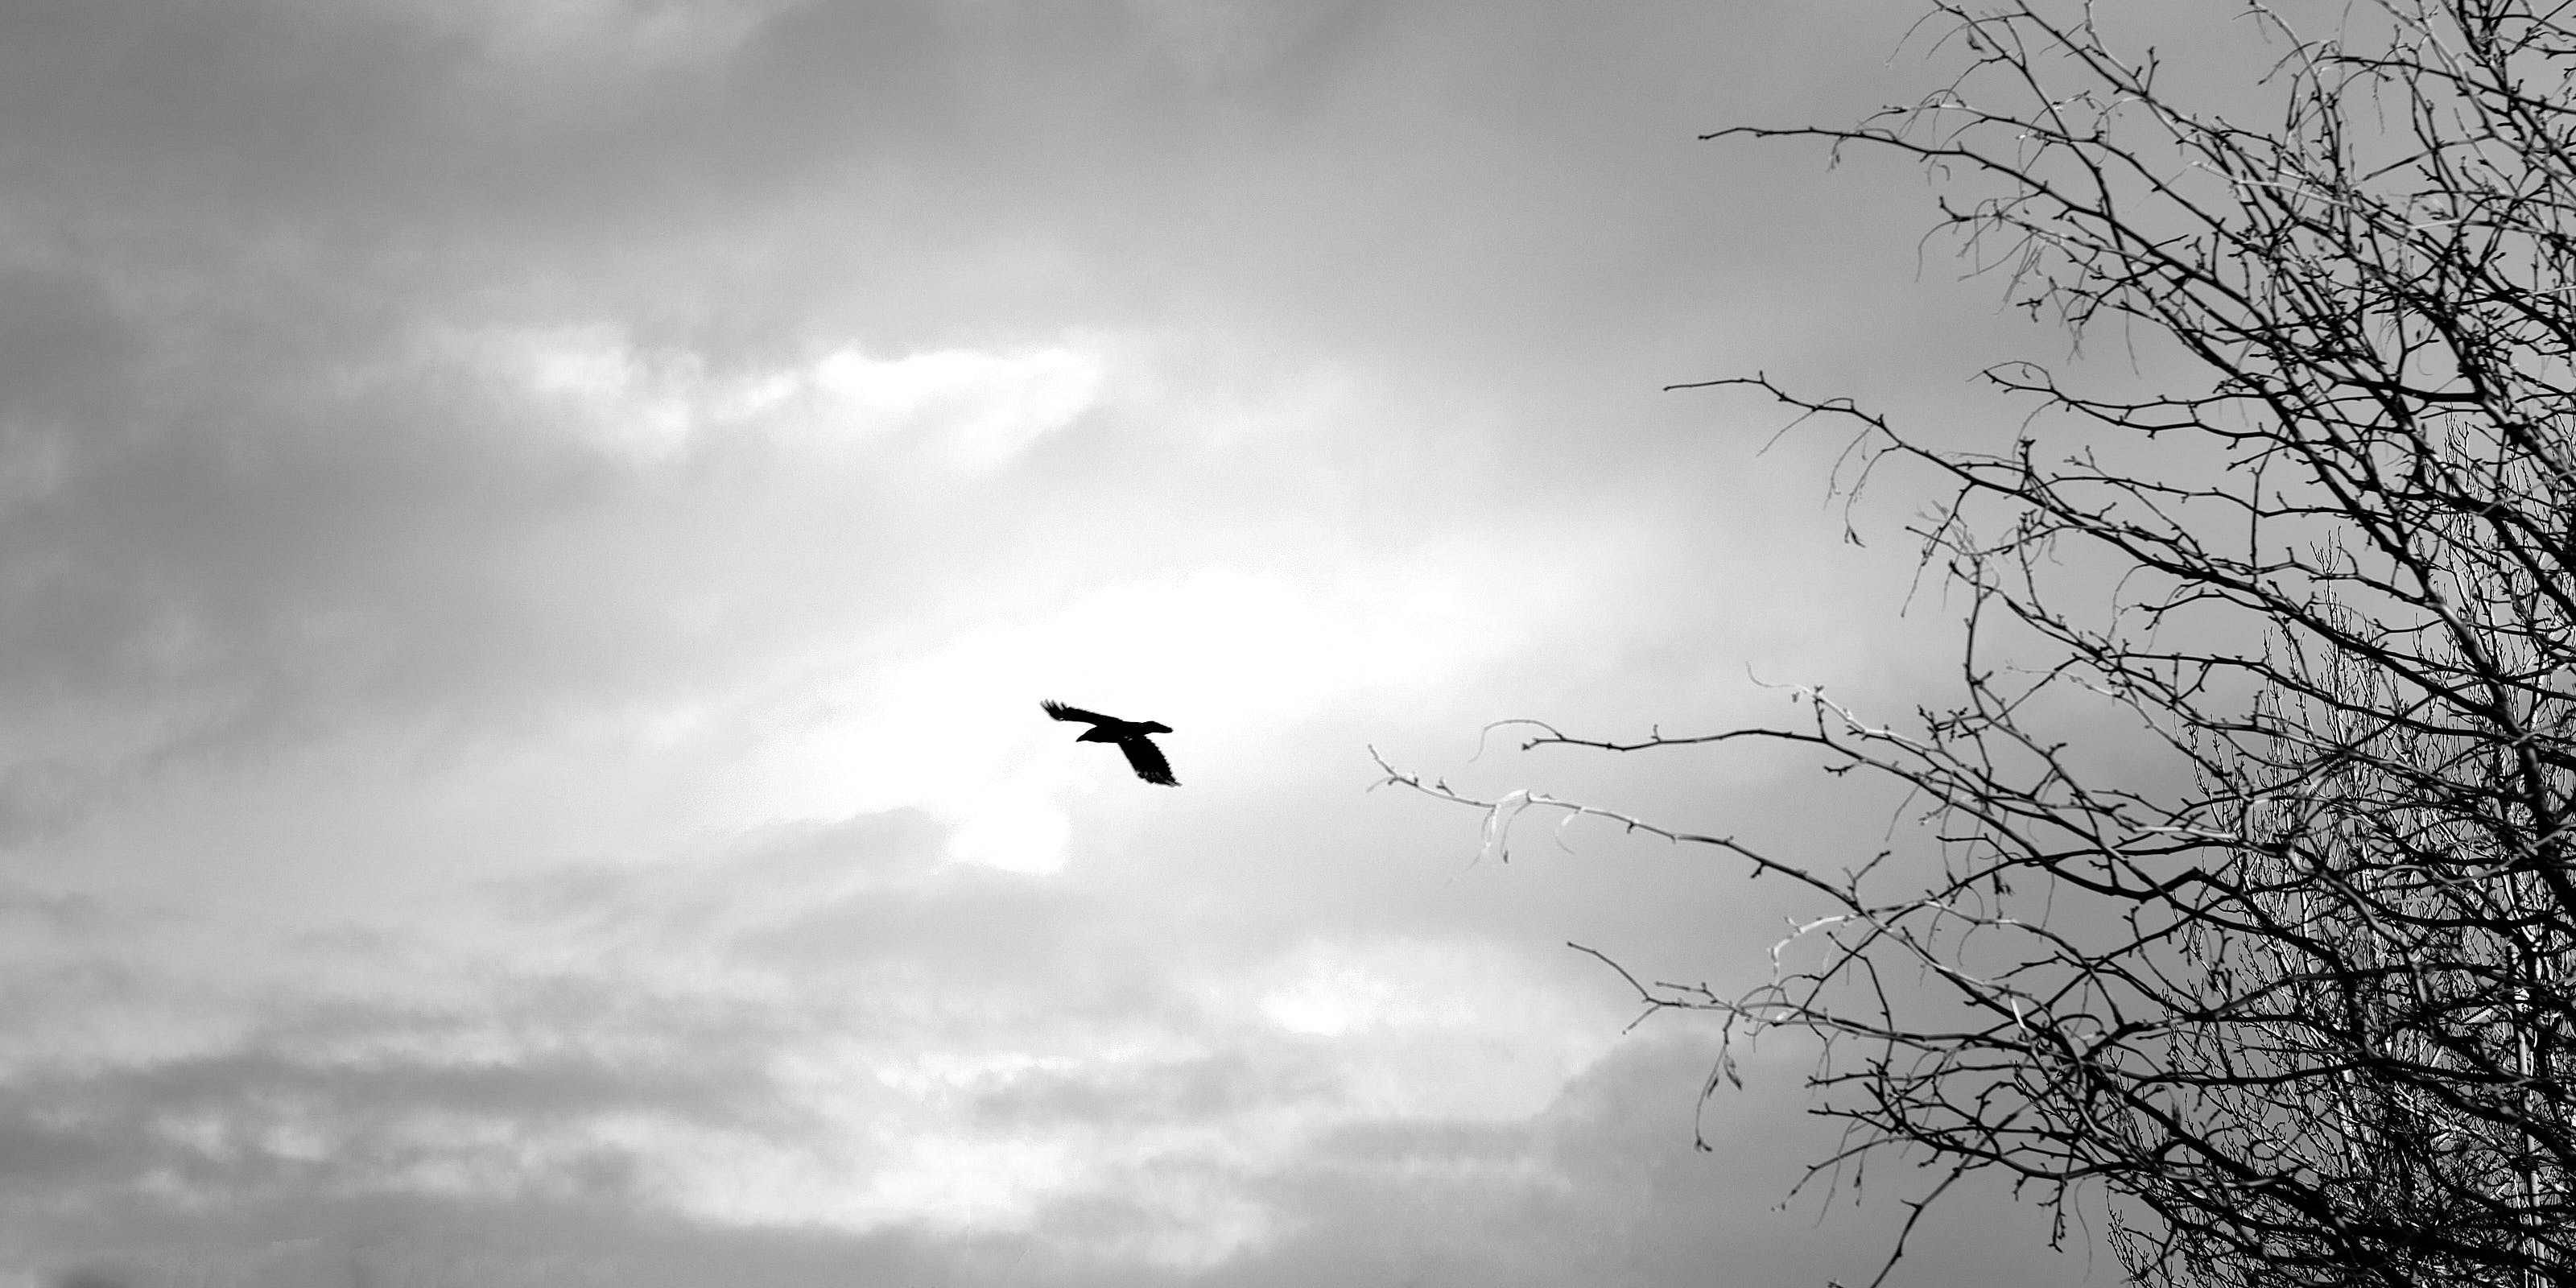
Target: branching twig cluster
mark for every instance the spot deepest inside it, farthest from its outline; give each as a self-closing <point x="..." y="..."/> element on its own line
<point x="2303" y="1003"/>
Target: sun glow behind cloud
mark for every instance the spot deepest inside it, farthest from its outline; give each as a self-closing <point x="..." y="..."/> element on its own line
<point x="1227" y="656"/>
<point x="891" y="1094"/>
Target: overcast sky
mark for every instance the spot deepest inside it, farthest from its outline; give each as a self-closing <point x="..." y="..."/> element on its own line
<point x="533" y="533"/>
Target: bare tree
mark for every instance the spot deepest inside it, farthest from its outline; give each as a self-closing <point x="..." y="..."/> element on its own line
<point x="2300" y="1003"/>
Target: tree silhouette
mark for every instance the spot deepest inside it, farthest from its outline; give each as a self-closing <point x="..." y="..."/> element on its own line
<point x="2298" y="999"/>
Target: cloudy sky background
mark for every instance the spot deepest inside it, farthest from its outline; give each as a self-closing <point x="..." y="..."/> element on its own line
<point x="532" y="533"/>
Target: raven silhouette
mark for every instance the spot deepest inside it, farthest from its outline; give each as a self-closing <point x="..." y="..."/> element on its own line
<point x="1130" y="737"/>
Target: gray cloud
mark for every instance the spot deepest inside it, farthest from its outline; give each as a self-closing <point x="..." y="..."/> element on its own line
<point x="374" y="773"/>
<point x="1602" y="1187"/>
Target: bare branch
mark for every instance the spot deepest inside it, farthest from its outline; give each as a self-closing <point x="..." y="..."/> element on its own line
<point x="2299" y="995"/>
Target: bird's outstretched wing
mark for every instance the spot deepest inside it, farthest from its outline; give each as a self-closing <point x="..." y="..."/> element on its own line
<point x="1148" y="760"/>
<point x="1062" y="712"/>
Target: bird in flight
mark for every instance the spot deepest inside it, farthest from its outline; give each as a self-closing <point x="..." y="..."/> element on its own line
<point x="1130" y="737"/>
